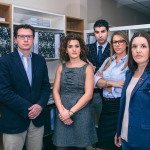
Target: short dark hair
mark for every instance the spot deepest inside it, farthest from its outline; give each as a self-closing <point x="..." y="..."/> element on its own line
<point x="101" y="23"/>
<point x="24" y="26"/>
<point x="131" y="63"/>
<point x="63" y="47"/>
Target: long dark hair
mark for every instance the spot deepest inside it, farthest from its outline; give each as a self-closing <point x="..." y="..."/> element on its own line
<point x="131" y="63"/>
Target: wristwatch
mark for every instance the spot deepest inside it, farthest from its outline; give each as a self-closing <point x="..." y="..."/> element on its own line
<point x="70" y="112"/>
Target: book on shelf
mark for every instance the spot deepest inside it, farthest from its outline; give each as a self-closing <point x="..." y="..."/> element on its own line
<point x="90" y="38"/>
<point x="5" y="41"/>
<point x="36" y="43"/>
<point x="50" y="114"/>
<point x="52" y="118"/>
<point x="46" y="44"/>
<point x="36" y="22"/>
<point x="47" y="125"/>
<point x="2" y="19"/>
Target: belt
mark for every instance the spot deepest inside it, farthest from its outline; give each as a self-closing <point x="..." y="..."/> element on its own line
<point x="96" y="90"/>
<point x="111" y="99"/>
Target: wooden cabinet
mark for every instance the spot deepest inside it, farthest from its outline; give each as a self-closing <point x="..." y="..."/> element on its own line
<point x="5" y="12"/>
<point x="75" y="25"/>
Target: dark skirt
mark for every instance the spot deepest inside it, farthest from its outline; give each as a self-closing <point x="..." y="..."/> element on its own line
<point x="107" y="126"/>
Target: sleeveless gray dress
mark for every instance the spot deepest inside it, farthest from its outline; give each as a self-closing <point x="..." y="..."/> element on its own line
<point x="82" y="132"/>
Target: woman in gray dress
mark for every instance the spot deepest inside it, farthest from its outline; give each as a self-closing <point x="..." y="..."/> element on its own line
<point x="72" y="91"/>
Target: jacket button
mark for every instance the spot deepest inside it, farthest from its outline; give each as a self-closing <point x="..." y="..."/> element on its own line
<point x="130" y="113"/>
<point x="130" y="127"/>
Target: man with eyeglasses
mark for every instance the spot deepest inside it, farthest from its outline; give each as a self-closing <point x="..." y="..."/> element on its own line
<point x="98" y="52"/>
<point x="24" y="91"/>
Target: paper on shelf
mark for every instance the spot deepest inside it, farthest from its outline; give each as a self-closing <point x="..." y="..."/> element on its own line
<point x="2" y="19"/>
<point x="36" y="43"/>
<point x="57" y="44"/>
<point x="92" y="39"/>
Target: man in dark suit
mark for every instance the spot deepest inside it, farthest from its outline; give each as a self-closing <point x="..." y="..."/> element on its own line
<point x="24" y="91"/>
<point x="98" y="52"/>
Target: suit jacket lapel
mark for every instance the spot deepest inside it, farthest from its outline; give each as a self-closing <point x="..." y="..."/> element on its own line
<point x="16" y="58"/>
<point x="95" y="51"/>
<point x="142" y="79"/>
<point x="34" y="63"/>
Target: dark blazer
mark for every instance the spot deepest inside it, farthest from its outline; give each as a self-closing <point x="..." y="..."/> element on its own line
<point x="139" y="111"/>
<point x="17" y="95"/>
<point x="93" y="57"/>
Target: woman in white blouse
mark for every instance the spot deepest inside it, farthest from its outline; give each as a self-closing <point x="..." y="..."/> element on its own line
<point x="111" y="77"/>
<point x="134" y="117"/>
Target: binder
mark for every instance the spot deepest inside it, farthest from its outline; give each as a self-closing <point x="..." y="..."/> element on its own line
<point x="5" y="42"/>
<point x="46" y="44"/>
<point x="58" y="38"/>
<point x="47" y="125"/>
<point x="35" y="50"/>
<point x="52" y="118"/>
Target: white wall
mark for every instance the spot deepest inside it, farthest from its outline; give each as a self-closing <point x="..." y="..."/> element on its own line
<point x="65" y="7"/>
<point x="89" y="10"/>
<point x="115" y="13"/>
<point x="83" y="12"/>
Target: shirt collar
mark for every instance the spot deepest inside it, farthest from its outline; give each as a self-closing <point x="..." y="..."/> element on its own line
<point x="124" y="59"/>
<point x="22" y="55"/>
<point x="104" y="46"/>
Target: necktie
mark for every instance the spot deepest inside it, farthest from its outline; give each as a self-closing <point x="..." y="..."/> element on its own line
<point x="99" y="52"/>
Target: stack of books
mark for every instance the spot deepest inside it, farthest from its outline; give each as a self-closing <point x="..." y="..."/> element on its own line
<point x="32" y="21"/>
<point x="2" y="19"/>
<point x="36" y="22"/>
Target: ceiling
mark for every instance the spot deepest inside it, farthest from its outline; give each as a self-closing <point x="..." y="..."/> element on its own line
<point x="139" y="5"/>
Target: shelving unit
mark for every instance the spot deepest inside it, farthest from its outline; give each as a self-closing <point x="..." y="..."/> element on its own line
<point x="130" y="30"/>
<point x="39" y="28"/>
<point x="5" y="12"/>
<point x="75" y="25"/>
<point x="4" y="23"/>
<point x="57" y="25"/>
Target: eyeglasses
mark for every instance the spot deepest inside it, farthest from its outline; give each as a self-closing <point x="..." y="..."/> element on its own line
<point x="120" y="42"/>
<point x="22" y="37"/>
